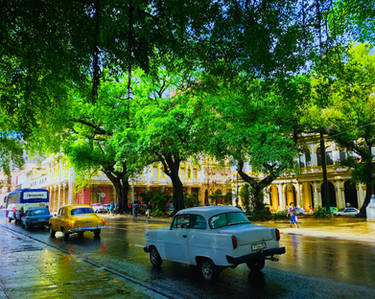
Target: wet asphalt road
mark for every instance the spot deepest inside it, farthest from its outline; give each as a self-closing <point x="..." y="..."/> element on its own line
<point x="116" y="266"/>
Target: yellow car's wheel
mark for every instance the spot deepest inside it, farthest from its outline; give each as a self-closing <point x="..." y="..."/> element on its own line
<point x="51" y="231"/>
<point x="65" y="233"/>
<point x="97" y="233"/>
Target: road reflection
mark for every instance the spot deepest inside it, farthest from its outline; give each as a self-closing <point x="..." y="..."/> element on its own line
<point x="121" y="248"/>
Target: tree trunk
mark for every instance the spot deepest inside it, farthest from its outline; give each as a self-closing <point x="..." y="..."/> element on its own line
<point x="258" y="199"/>
<point x="325" y="193"/>
<point x="256" y="185"/>
<point x="171" y="163"/>
<point x="369" y="182"/>
<point x="122" y="189"/>
<point x="178" y="192"/>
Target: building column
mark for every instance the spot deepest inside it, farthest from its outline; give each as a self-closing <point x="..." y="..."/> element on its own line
<point x="317" y="195"/>
<point x="340" y="196"/>
<point x="266" y="197"/>
<point x="281" y="196"/>
<point x="299" y="195"/>
<point x="361" y="194"/>
<point x="50" y="198"/>
<point x="59" y="196"/>
<point x="65" y="198"/>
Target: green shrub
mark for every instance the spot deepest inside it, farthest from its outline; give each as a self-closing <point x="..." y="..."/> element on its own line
<point x="280" y="215"/>
<point x="259" y="214"/>
<point x="322" y="213"/>
<point x="191" y="200"/>
<point x="157" y="213"/>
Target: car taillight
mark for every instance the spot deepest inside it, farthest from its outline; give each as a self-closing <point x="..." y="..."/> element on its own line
<point x="234" y="242"/>
<point x="70" y="225"/>
<point x="103" y="221"/>
<point x="277" y="232"/>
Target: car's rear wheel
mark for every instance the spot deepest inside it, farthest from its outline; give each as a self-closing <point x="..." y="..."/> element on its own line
<point x="80" y="235"/>
<point x="26" y="225"/>
<point x="65" y="234"/>
<point x="9" y="220"/>
<point x="52" y="233"/>
<point x="97" y="233"/>
<point x="155" y="258"/>
<point x="209" y="270"/>
<point x="256" y="265"/>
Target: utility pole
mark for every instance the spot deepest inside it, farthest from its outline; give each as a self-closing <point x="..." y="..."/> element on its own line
<point x="325" y="193"/>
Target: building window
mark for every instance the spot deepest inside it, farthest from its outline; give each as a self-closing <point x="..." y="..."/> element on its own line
<point x="302" y="162"/>
<point x="329" y="156"/>
<point x="343" y="155"/>
<point x="305" y="159"/>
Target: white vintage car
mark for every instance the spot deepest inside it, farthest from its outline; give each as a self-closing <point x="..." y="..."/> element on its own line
<point x="213" y="238"/>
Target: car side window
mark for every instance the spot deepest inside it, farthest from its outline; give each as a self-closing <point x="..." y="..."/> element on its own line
<point x="59" y="212"/>
<point x="197" y="222"/>
<point x="181" y="221"/>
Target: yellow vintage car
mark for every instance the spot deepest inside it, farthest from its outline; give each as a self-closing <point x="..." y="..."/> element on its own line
<point x="76" y="218"/>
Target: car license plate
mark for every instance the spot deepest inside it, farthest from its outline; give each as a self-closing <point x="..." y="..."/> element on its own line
<point x="257" y="246"/>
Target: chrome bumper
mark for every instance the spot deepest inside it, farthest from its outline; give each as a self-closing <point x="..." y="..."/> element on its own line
<point x="82" y="229"/>
<point x="256" y="255"/>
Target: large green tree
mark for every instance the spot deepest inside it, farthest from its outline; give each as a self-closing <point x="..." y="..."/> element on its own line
<point x="348" y="111"/>
<point x="251" y="121"/>
<point x="167" y="123"/>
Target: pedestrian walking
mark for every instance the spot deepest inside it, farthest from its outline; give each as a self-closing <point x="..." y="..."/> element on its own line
<point x="148" y="211"/>
<point x="293" y="215"/>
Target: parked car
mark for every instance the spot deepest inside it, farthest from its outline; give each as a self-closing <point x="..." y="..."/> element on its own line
<point x="346" y="212"/>
<point x="333" y="209"/>
<point x="99" y="208"/>
<point x="10" y="212"/>
<point x="36" y="217"/>
<point x="213" y="238"/>
<point x="300" y="211"/>
<point x="109" y="207"/>
<point x="76" y="219"/>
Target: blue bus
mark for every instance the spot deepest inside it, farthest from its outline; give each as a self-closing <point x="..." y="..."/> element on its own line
<point x="19" y="201"/>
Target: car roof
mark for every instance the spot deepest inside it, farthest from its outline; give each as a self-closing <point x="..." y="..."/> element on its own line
<point x="75" y="206"/>
<point x="209" y="211"/>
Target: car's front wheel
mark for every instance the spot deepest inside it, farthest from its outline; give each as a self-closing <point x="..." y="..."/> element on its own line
<point x="97" y="233"/>
<point x="52" y="233"/>
<point x="256" y="265"/>
<point x="209" y="270"/>
<point x="155" y="258"/>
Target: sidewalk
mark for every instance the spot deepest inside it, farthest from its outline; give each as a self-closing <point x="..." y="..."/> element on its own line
<point x="342" y="228"/>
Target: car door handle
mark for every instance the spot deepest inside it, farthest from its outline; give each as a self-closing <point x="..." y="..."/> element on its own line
<point x="184" y="236"/>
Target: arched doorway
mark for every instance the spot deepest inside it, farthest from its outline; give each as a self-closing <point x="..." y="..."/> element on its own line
<point x="290" y="194"/>
<point x="331" y="194"/>
<point x="274" y="198"/>
<point x="351" y="198"/>
<point x="308" y="196"/>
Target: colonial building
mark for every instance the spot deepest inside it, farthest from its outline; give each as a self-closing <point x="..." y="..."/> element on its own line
<point x="305" y="187"/>
<point x="55" y="174"/>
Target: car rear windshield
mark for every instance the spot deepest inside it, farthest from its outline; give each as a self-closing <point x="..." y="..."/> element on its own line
<point x="38" y="212"/>
<point x="80" y="211"/>
<point x="228" y="219"/>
